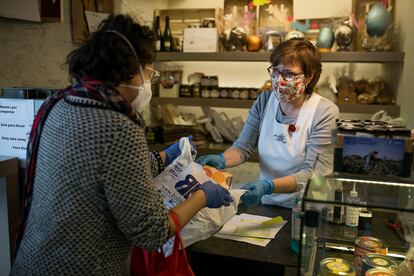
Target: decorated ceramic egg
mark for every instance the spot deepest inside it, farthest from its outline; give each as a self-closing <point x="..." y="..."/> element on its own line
<point x="377" y="20"/>
<point x="294" y="34"/>
<point x="343" y="36"/>
<point x="325" y="38"/>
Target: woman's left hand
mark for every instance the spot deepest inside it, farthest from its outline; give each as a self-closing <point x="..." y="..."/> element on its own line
<point x="173" y="151"/>
<point x="256" y="190"/>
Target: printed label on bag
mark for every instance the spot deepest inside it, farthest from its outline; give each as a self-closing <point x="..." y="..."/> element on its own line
<point x="187" y="186"/>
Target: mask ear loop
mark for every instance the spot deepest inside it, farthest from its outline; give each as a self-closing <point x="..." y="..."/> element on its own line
<point x="132" y="49"/>
<point x="126" y="41"/>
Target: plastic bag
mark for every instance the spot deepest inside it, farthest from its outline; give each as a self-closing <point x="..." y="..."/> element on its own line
<point x="177" y="182"/>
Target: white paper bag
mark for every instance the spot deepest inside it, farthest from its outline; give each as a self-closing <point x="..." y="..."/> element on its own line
<point x="177" y="182"/>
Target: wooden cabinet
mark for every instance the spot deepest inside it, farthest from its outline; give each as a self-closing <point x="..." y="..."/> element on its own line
<point x="32" y="10"/>
<point x="80" y="31"/>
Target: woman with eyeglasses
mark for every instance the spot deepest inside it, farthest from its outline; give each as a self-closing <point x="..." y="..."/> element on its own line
<point x="290" y="127"/>
<point x="89" y="193"/>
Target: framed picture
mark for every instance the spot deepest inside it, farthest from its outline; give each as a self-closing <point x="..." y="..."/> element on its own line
<point x="373" y="156"/>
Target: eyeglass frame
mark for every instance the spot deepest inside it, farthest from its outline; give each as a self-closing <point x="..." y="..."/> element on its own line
<point x="271" y="69"/>
<point x="155" y="75"/>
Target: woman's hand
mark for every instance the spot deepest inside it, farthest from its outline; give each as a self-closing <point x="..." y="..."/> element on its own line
<point x="173" y="151"/>
<point x="215" y="160"/>
<point x="256" y="190"/>
<point x="216" y="195"/>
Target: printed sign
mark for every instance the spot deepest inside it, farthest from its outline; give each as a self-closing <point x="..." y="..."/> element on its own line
<point x="16" y="119"/>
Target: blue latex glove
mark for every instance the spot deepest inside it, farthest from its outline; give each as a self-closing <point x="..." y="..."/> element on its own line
<point x="216" y="196"/>
<point x="215" y="160"/>
<point x="256" y="190"/>
<point x="174" y="151"/>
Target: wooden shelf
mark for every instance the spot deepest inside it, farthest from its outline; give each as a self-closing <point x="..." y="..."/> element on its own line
<point x="365" y="57"/>
<point x="393" y="110"/>
<point x="208" y="148"/>
<point x="232" y="103"/>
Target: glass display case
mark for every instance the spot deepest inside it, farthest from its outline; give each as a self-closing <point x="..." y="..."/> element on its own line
<point x="351" y="225"/>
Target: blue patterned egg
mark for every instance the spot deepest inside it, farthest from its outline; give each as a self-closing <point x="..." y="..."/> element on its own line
<point x="378" y="19"/>
<point x="325" y="38"/>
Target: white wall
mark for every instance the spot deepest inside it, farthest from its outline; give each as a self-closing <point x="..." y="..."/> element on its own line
<point x="32" y="54"/>
<point x="405" y="21"/>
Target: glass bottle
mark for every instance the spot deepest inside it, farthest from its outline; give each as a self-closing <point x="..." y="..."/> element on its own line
<point x="158" y="33"/>
<point x="167" y="38"/>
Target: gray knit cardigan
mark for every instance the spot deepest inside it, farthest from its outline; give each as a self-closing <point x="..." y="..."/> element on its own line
<point x="93" y="194"/>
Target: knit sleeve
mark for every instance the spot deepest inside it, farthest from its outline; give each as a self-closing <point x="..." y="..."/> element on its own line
<point x="129" y="190"/>
<point x="319" y="147"/>
<point x="155" y="165"/>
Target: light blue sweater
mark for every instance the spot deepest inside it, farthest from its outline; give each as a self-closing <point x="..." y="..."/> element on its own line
<point x="319" y="142"/>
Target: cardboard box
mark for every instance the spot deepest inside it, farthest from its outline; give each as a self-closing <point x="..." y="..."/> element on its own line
<point x="200" y="40"/>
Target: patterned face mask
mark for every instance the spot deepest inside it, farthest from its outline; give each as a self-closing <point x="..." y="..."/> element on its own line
<point x="288" y="90"/>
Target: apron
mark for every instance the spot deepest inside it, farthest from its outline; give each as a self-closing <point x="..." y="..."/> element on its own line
<point x="282" y="152"/>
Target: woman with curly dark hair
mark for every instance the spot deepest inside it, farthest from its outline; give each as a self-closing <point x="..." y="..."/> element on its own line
<point x="89" y="193"/>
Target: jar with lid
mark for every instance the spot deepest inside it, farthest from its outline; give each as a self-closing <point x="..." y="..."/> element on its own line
<point x="214" y="93"/>
<point x="196" y="90"/>
<point x="224" y="93"/>
<point x="184" y="91"/>
<point x="213" y="82"/>
<point x="235" y="93"/>
<point x="244" y="94"/>
<point x="254" y="93"/>
<point x="205" y="92"/>
<point x="205" y="82"/>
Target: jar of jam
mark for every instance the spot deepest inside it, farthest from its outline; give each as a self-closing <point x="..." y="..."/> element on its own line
<point x="185" y="91"/>
<point x="235" y="93"/>
<point x="205" y="93"/>
<point x="254" y="93"/>
<point x="224" y="92"/>
<point x="195" y="90"/>
<point x="214" y="93"/>
<point x="244" y="94"/>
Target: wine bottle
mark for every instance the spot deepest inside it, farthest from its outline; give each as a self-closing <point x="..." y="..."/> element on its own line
<point x="158" y="33"/>
<point x="167" y="36"/>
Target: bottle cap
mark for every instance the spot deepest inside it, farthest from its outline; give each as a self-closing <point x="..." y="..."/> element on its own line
<point x="354" y="192"/>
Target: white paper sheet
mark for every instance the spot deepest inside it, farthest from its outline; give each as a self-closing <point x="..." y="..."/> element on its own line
<point x="246" y="225"/>
<point x="94" y="19"/>
<point x="255" y="241"/>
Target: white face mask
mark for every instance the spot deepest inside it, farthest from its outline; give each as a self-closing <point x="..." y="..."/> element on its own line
<point x="144" y="94"/>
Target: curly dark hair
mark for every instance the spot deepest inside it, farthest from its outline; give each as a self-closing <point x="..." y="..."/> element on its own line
<point x="301" y="52"/>
<point x="107" y="57"/>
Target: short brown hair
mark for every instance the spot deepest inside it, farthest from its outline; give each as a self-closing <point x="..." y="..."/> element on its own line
<point x="301" y="52"/>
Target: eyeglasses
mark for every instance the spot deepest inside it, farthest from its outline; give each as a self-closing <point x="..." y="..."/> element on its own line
<point x="286" y="74"/>
<point x="154" y="74"/>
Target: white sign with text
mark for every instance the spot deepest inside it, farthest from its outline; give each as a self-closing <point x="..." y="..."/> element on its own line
<point x="16" y="119"/>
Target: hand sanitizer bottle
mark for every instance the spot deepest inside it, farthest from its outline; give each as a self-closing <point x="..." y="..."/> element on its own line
<point x="296" y="225"/>
<point x="352" y="212"/>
